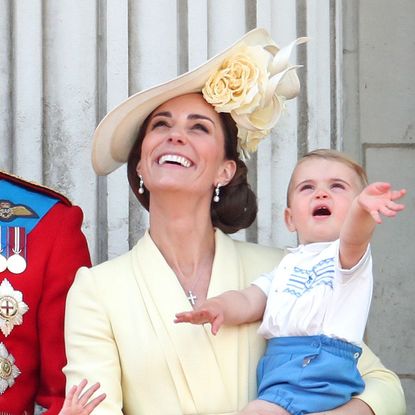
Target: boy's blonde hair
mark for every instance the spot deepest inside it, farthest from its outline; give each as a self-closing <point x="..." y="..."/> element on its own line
<point x="334" y="155"/>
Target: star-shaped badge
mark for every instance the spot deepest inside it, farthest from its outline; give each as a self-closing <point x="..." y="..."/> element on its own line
<point x="12" y="307"/>
<point x="8" y="370"/>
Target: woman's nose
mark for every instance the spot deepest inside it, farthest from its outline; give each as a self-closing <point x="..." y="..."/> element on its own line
<point x="177" y="136"/>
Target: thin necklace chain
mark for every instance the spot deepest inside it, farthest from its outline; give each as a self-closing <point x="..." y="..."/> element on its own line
<point x="191" y="297"/>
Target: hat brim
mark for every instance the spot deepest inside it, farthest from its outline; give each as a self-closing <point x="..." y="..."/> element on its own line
<point x="116" y="133"/>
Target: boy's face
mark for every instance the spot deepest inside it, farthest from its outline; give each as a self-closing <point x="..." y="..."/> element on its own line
<point x="321" y="194"/>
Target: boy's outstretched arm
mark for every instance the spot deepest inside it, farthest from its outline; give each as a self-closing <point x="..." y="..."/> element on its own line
<point x="374" y="200"/>
<point x="231" y="308"/>
<point x="78" y="403"/>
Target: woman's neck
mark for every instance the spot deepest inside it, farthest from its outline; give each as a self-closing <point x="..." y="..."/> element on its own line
<point x="186" y="239"/>
<point x="183" y="242"/>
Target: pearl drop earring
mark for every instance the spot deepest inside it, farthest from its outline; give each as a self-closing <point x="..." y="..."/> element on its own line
<point x="216" y="198"/>
<point x="141" y="185"/>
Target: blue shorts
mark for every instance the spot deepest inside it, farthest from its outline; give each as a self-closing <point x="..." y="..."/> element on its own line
<point x="309" y="373"/>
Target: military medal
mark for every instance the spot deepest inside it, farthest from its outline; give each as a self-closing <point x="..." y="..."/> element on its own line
<point x="12" y="307"/>
<point x="8" y="370"/>
<point x="3" y="245"/>
<point x="16" y="262"/>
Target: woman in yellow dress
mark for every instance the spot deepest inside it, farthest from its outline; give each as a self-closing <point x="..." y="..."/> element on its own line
<point x="184" y="142"/>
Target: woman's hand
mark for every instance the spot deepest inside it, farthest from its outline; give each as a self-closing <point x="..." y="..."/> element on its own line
<point x="353" y="407"/>
<point x="77" y="403"/>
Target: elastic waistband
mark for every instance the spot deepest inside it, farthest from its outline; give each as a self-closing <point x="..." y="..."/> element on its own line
<point x="309" y="345"/>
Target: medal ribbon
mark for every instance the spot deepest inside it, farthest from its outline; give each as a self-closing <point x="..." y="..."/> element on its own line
<point x="3" y="249"/>
<point x="3" y="240"/>
<point x="17" y="241"/>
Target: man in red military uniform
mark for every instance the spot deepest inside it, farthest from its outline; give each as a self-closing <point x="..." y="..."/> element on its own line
<point x="42" y="246"/>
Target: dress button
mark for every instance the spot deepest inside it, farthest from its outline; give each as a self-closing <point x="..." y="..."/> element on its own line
<point x="306" y="361"/>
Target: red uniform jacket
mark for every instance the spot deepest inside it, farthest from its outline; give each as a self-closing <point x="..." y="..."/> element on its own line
<point x="55" y="249"/>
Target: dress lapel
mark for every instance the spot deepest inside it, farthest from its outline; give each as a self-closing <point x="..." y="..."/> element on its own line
<point x="203" y="366"/>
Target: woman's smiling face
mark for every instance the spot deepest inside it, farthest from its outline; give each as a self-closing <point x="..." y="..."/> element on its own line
<point x="183" y="148"/>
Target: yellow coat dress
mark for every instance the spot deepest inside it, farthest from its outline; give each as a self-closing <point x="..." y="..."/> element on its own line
<point x="119" y="330"/>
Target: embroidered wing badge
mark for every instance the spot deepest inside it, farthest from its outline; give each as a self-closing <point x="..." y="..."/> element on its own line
<point x="10" y="211"/>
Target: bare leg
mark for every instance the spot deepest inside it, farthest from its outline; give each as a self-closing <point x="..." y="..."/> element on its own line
<point x="259" y="407"/>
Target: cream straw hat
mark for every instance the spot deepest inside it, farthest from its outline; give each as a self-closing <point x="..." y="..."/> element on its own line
<point x="251" y="80"/>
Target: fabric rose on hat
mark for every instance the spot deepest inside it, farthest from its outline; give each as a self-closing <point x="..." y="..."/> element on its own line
<point x="252" y="84"/>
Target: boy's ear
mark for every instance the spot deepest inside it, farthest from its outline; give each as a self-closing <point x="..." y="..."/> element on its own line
<point x="289" y="220"/>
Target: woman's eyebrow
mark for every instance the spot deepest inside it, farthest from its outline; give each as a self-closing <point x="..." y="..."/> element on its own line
<point x="190" y="116"/>
<point x="163" y="114"/>
<point x="199" y="116"/>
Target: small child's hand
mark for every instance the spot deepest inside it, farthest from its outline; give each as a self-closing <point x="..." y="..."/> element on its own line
<point x="77" y="404"/>
<point x="378" y="198"/>
<point x="208" y="312"/>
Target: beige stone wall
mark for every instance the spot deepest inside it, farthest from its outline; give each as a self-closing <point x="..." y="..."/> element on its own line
<point x="379" y="125"/>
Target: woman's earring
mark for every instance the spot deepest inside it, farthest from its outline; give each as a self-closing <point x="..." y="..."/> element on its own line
<point x="141" y="185"/>
<point x="216" y="197"/>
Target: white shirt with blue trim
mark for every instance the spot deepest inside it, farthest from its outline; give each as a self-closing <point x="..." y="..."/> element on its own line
<point x="310" y="294"/>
